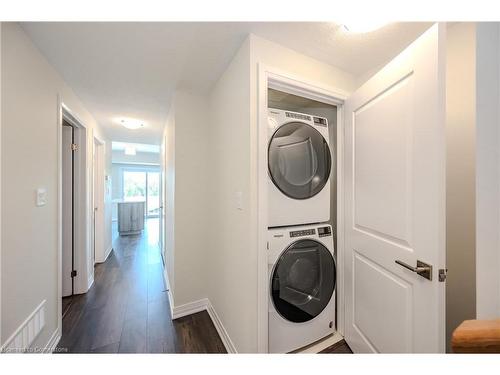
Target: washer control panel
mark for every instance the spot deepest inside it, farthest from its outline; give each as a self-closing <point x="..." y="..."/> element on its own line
<point x="324" y="231"/>
<point x="320" y="121"/>
<point x="304" y="232"/>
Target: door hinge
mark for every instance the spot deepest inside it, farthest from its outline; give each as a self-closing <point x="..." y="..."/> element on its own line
<point x="73" y="273"/>
<point x="74" y="147"/>
<point x="442" y="274"/>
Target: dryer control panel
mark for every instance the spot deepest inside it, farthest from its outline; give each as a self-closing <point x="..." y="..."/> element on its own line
<point x="304" y="232"/>
<point x="324" y="231"/>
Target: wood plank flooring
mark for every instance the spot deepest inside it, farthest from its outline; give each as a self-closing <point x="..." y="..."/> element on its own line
<point x="340" y="347"/>
<point x="127" y="309"/>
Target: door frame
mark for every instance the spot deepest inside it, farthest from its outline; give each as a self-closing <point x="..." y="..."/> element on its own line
<point x="81" y="205"/>
<point x="269" y="77"/>
<point x="98" y="147"/>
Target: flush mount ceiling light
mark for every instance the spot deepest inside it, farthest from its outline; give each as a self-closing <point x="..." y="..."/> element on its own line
<point x="363" y="26"/>
<point x="130" y="123"/>
<point x="130" y="150"/>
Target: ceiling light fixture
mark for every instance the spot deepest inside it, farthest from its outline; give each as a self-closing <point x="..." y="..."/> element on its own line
<point x="363" y="26"/>
<point x="130" y="150"/>
<point x="131" y="124"/>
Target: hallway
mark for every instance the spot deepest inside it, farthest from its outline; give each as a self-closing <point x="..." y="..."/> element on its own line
<point x="127" y="309"/>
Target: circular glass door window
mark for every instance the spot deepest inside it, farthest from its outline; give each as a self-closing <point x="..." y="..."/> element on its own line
<point x="303" y="281"/>
<point x="299" y="160"/>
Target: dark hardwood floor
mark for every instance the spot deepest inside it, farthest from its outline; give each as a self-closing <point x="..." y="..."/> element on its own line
<point x="127" y="309"/>
<point x="340" y="347"/>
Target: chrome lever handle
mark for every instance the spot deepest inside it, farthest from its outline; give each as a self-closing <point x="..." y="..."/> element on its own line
<point x="422" y="269"/>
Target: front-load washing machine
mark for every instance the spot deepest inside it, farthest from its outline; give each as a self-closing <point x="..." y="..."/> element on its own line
<point x="299" y="165"/>
<point x="302" y="279"/>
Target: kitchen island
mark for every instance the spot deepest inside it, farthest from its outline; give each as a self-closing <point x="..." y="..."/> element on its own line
<point x="130" y="216"/>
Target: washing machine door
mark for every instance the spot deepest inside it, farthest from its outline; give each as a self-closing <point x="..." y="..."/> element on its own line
<point x="299" y="160"/>
<point x="303" y="281"/>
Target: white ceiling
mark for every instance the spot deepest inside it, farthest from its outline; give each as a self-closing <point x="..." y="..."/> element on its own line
<point x="132" y="69"/>
<point x="139" y="147"/>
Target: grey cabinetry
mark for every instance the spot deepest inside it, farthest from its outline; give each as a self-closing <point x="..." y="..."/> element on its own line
<point x="130" y="217"/>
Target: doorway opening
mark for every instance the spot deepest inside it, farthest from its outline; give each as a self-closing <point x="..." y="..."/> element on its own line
<point x="290" y="94"/>
<point x="75" y="274"/>
<point x="68" y="208"/>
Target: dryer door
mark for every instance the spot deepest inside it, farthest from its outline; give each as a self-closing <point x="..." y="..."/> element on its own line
<point x="303" y="281"/>
<point x="299" y="160"/>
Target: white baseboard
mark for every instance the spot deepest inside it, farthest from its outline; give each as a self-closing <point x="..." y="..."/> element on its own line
<point x="197" y="306"/>
<point x="106" y="255"/>
<point x="90" y="281"/>
<point x="189" y="308"/>
<point x="27" y="332"/>
<point x="53" y="341"/>
<point x="224" y="336"/>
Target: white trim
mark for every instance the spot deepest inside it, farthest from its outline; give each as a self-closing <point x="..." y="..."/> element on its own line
<point x="106" y="254"/>
<point x="169" y="291"/>
<point x="221" y="330"/>
<point x="339" y="251"/>
<point x="277" y="79"/>
<point x="292" y="84"/>
<point x="59" y="211"/>
<point x="63" y="112"/>
<point x="0" y="185"/>
<point x="189" y="308"/>
<point x="204" y="304"/>
<point x="27" y="332"/>
<point x="53" y="341"/>
<point x="98" y="199"/>
<point x="90" y="280"/>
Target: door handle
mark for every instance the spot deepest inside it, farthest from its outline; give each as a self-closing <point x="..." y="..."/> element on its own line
<point x="422" y="269"/>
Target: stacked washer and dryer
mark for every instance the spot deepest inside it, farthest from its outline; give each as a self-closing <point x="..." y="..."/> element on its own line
<point x="301" y="255"/>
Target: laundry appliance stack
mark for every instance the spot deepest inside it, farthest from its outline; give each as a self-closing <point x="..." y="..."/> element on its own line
<point x="301" y="255"/>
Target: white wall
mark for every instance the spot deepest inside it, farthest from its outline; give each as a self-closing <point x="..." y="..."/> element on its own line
<point x="232" y="259"/>
<point x="460" y="175"/>
<point x="231" y="264"/>
<point x="487" y="170"/>
<point x="192" y="176"/>
<point x="138" y="158"/>
<point x="30" y="89"/>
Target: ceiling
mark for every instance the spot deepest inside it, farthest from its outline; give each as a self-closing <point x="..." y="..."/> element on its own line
<point x="139" y="147"/>
<point x="132" y="69"/>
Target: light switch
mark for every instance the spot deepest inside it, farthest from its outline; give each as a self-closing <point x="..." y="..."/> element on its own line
<point x="238" y="198"/>
<point x="41" y="197"/>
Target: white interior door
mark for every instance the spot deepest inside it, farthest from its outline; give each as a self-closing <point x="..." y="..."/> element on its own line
<point x="395" y="203"/>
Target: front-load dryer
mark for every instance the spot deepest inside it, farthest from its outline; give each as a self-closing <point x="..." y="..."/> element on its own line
<point x="299" y="165"/>
<point x="302" y="279"/>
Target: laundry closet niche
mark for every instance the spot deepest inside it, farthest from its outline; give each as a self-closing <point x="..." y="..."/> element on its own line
<point x="289" y="102"/>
